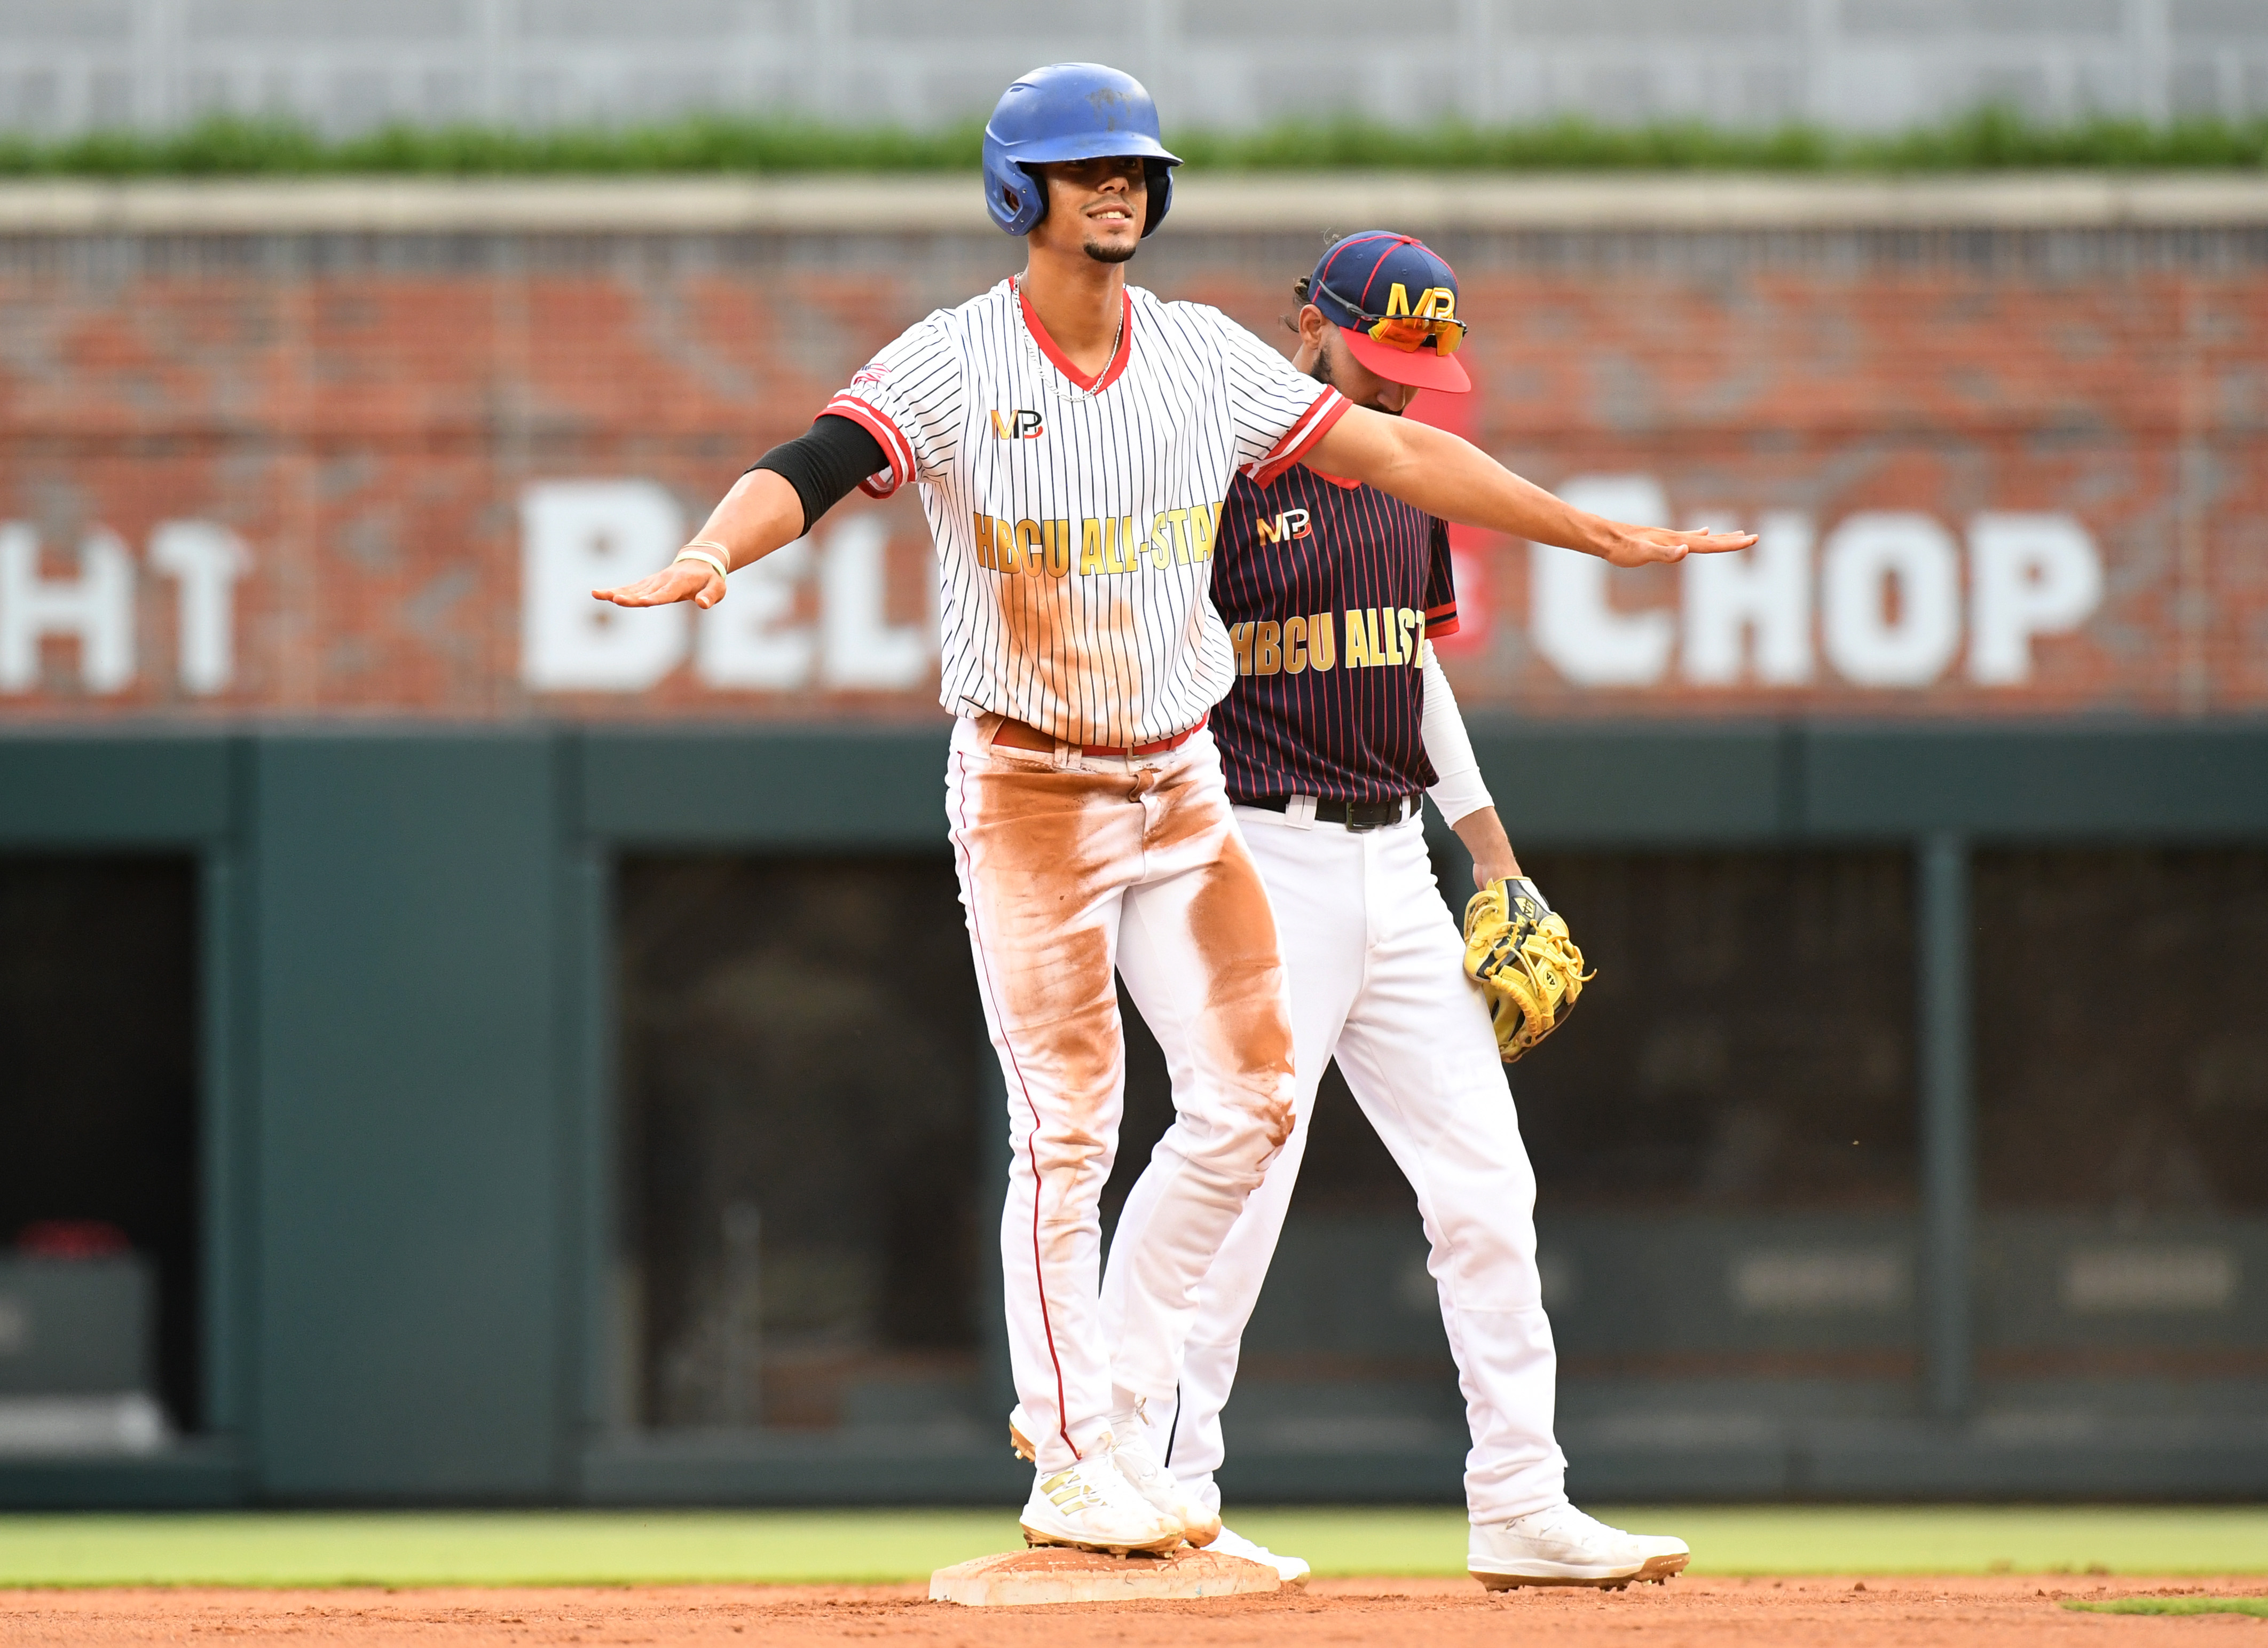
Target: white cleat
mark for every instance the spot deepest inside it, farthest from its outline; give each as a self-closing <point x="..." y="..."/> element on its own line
<point x="1158" y="1485"/>
<point x="1563" y="1547"/>
<point x="1143" y="1473"/>
<point x="1291" y="1571"/>
<point x="1091" y="1507"/>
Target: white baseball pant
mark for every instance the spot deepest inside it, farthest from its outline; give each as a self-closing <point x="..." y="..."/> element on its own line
<point x="1072" y="865"/>
<point x="1378" y="981"/>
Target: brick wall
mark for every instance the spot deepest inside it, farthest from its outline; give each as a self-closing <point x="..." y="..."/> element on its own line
<point x="312" y="476"/>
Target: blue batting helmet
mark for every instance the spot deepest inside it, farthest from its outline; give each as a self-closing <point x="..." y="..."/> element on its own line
<point x="1069" y="111"/>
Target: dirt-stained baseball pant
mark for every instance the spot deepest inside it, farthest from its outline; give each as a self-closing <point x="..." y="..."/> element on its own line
<point x="1072" y="866"/>
<point x="1378" y="981"/>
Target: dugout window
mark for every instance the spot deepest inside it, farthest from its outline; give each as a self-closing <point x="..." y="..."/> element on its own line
<point x="99" y="1298"/>
<point x="801" y="1052"/>
<point x="2122" y="1084"/>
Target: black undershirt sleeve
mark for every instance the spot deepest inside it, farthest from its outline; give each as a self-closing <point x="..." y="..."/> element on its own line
<point x="824" y="463"/>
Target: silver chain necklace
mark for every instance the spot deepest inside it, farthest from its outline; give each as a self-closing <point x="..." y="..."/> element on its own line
<point x="1116" y="338"/>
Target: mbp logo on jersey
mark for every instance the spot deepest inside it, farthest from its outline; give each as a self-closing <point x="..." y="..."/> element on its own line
<point x="1018" y="425"/>
<point x="1291" y="523"/>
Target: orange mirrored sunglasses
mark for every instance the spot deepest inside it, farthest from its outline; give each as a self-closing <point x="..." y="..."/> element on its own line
<point x="1406" y="332"/>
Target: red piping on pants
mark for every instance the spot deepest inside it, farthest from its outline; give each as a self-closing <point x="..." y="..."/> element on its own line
<point x="1039" y="1276"/>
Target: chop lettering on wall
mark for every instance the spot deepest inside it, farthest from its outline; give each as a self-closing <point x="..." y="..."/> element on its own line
<point x="578" y="535"/>
<point x="1885" y="598"/>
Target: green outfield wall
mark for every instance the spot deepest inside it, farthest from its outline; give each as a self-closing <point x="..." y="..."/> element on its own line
<point x="407" y="1075"/>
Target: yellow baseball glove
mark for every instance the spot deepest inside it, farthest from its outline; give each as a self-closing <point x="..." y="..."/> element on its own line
<point x="1518" y="951"/>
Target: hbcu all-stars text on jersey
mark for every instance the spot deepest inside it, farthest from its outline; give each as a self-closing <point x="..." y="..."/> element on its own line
<point x="1330" y="592"/>
<point x="1075" y="520"/>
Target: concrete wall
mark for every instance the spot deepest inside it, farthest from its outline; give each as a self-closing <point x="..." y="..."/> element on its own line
<point x="348" y="64"/>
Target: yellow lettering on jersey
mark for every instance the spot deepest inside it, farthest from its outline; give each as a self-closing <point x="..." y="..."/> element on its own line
<point x="1090" y="546"/>
<point x="1003" y="546"/>
<point x="1270" y="528"/>
<point x="1176" y="546"/>
<point x="1323" y="642"/>
<point x="1358" y="645"/>
<point x="1240" y="636"/>
<point x="1030" y="558"/>
<point x="1394" y="616"/>
<point x="1199" y="542"/>
<point x="1267" y="656"/>
<point x="1414" y="643"/>
<point x="984" y="556"/>
<point x="1058" y="541"/>
<point x="1377" y="659"/>
<point x="1160" y="546"/>
<point x="1295" y="645"/>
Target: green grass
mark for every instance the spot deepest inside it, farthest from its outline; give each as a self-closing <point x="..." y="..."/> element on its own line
<point x="1822" y="1538"/>
<point x="1988" y="139"/>
<point x="2258" y="1607"/>
<point x="809" y="1547"/>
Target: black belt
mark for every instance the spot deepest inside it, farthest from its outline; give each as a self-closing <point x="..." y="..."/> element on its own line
<point x="1354" y="815"/>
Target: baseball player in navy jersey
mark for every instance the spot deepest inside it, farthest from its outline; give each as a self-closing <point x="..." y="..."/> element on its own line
<point x="1074" y="440"/>
<point x="1340" y="722"/>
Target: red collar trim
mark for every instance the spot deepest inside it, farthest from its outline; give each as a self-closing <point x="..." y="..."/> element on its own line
<point x="1061" y="361"/>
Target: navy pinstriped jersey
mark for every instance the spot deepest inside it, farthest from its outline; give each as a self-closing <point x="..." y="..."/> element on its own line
<point x="1327" y="590"/>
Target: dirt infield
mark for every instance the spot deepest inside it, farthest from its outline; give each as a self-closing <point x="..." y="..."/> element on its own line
<point x="2007" y="1611"/>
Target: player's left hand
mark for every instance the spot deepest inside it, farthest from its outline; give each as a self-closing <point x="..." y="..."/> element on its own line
<point x="1643" y="546"/>
<point x="1517" y="950"/>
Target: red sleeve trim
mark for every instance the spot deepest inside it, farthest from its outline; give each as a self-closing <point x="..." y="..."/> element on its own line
<point x="1329" y="408"/>
<point x="1436" y="628"/>
<point x="895" y="447"/>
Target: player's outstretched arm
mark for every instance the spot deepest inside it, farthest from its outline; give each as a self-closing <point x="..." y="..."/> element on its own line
<point x="762" y="513"/>
<point x="1454" y="479"/>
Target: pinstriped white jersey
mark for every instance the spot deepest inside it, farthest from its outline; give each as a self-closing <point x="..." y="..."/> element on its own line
<point x="1075" y="520"/>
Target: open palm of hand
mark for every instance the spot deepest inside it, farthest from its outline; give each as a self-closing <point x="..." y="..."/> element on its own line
<point x="680" y="581"/>
<point x="1642" y="546"/>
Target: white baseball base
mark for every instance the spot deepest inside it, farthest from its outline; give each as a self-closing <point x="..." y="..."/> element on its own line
<point x="1054" y="1574"/>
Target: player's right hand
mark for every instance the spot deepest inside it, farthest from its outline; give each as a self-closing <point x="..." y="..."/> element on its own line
<point x="680" y="581"/>
<point x="1643" y="546"/>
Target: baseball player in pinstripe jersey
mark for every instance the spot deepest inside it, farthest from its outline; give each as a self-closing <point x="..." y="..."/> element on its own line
<point x="1074" y="440"/>
<point x="1340" y="722"/>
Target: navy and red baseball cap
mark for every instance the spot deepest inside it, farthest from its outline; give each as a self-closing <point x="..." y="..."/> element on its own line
<point x="1395" y="301"/>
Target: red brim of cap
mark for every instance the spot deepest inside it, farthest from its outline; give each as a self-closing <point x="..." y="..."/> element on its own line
<point x="1419" y="368"/>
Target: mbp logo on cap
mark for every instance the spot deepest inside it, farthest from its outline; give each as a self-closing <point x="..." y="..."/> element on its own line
<point x="1394" y="302"/>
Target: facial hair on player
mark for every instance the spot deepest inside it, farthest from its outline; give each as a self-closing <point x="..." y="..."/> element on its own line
<point x="1321" y="372"/>
<point x="1103" y="252"/>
